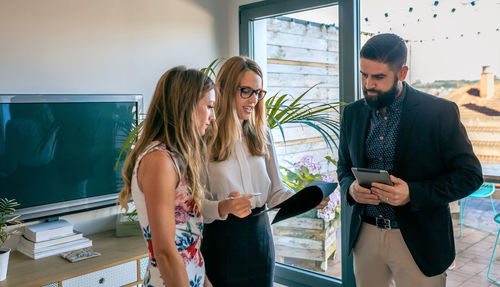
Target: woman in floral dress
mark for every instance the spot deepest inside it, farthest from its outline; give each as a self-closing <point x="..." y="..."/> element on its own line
<point x="162" y="175"/>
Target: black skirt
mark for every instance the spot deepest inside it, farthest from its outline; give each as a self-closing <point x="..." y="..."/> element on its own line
<point x="239" y="251"/>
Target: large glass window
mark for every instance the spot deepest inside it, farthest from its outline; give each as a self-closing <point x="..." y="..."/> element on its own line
<point x="297" y="44"/>
<point x="299" y="53"/>
<point x="454" y="54"/>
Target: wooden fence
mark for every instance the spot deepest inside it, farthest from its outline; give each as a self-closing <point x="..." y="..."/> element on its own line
<point x="300" y="55"/>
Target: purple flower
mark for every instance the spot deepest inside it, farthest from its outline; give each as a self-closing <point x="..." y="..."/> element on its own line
<point x="310" y="162"/>
<point x="331" y="210"/>
<point x="328" y="178"/>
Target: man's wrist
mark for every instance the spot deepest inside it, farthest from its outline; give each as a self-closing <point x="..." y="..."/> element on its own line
<point x="351" y="187"/>
<point x="350" y="199"/>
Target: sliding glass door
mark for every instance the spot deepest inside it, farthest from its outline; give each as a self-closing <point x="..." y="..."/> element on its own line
<point x="307" y="48"/>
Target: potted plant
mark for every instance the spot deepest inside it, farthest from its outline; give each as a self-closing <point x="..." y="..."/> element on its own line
<point x="311" y="235"/>
<point x="7" y="209"/>
<point x="128" y="224"/>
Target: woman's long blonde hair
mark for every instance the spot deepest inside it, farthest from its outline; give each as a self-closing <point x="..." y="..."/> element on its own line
<point x="172" y="120"/>
<point x="254" y="130"/>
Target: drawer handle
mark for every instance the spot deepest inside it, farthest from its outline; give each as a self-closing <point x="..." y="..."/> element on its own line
<point x="101" y="280"/>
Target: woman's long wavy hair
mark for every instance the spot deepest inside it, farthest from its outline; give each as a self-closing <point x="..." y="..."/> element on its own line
<point x="172" y="120"/>
<point x="253" y="130"/>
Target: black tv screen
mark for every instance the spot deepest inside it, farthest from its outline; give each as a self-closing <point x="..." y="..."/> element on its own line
<point x="58" y="152"/>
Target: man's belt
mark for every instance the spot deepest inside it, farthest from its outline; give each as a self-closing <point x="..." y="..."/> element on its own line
<point x="380" y="222"/>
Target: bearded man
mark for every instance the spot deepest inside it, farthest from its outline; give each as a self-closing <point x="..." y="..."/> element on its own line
<point x="402" y="235"/>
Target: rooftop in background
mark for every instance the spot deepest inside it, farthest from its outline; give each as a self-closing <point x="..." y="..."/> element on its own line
<point x="481" y="118"/>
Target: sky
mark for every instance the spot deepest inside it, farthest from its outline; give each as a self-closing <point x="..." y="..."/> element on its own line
<point x="449" y="46"/>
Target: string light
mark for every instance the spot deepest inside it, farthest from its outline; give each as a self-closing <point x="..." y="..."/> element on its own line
<point x="410" y="10"/>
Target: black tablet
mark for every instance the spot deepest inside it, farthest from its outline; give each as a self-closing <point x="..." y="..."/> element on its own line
<point x="366" y="176"/>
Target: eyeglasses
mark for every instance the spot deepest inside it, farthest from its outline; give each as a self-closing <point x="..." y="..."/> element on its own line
<point x="247" y="92"/>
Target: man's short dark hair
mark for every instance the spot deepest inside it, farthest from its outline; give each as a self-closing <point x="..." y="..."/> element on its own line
<point x="386" y="48"/>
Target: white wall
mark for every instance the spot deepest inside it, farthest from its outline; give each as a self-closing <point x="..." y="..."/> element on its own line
<point x="104" y="46"/>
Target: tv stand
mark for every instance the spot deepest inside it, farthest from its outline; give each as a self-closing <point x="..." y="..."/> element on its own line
<point x="123" y="262"/>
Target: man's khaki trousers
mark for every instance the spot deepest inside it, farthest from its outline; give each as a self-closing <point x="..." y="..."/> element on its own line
<point x="382" y="259"/>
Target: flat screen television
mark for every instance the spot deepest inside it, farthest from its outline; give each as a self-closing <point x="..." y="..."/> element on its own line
<point x="58" y="152"/>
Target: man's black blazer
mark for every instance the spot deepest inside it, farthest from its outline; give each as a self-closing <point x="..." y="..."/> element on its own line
<point x="434" y="156"/>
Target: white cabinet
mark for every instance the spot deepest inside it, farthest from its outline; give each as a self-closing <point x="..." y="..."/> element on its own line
<point x="118" y="275"/>
<point x="123" y="262"/>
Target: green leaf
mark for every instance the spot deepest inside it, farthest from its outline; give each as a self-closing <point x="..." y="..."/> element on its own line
<point x="314" y="114"/>
<point x="330" y="159"/>
<point x="210" y="70"/>
<point x="129" y="142"/>
<point x="7" y="207"/>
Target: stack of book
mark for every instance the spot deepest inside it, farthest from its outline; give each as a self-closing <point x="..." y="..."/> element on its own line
<point x="50" y="238"/>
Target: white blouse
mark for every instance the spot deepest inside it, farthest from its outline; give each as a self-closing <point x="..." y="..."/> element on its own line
<point x="246" y="174"/>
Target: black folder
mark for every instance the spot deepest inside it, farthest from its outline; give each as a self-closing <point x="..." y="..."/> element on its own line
<point x="304" y="200"/>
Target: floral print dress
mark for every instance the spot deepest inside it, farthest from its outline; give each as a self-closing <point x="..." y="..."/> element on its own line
<point x="188" y="231"/>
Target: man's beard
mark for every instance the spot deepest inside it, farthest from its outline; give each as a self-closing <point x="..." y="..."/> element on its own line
<point x="381" y="99"/>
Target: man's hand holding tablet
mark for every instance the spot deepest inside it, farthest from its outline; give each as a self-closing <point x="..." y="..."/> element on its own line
<point x="366" y="176"/>
<point x="373" y="186"/>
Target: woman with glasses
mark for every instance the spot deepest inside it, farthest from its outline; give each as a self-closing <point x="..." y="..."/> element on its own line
<point x="239" y="250"/>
